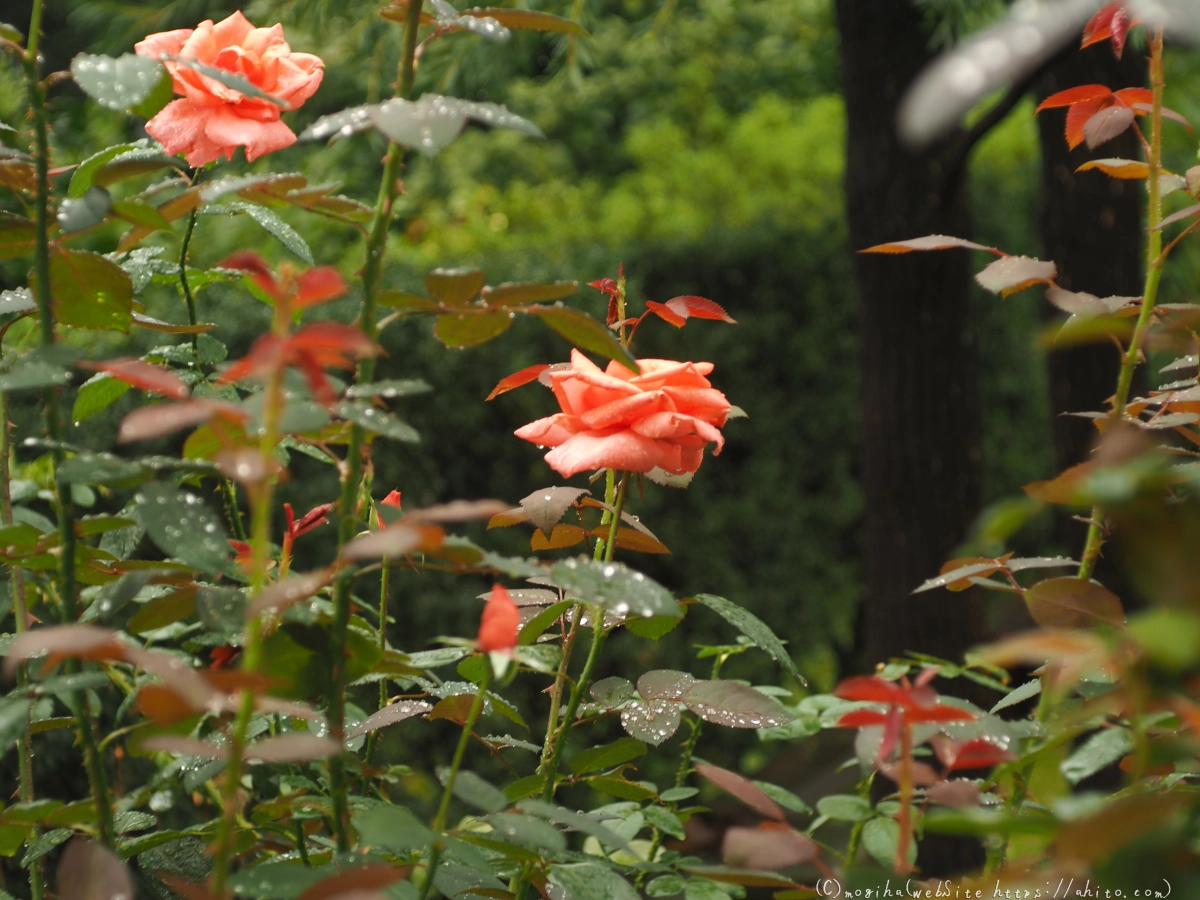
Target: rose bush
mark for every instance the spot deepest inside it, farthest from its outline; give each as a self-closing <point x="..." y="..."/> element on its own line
<point x="212" y="120"/>
<point x="661" y="418"/>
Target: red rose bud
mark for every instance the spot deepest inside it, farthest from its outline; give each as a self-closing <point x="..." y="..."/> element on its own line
<point x="392" y="499"/>
<point x="500" y="622"/>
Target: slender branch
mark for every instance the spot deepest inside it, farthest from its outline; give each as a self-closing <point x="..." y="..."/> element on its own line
<point x="352" y="469"/>
<point x="68" y="592"/>
<point x="1155" y="260"/>
<point x="183" y="255"/>
<point x="439" y="821"/>
<point x="37" y="885"/>
<point x="384" y="578"/>
<point x="261" y="497"/>
<point x="568" y="721"/>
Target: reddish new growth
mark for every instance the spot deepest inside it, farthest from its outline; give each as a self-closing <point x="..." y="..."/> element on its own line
<point x="1112" y="21"/>
<point x="908" y="704"/>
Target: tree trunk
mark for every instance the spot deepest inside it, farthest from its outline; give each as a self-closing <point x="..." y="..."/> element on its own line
<point x="920" y="415"/>
<point x="1091" y="228"/>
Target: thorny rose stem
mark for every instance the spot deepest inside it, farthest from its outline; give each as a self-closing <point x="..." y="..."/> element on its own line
<point x="66" y="508"/>
<point x="352" y="468"/>
<point x="261" y="499"/>
<point x="1154" y="267"/>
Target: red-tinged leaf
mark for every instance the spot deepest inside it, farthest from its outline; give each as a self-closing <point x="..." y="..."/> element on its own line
<point x="862" y="718"/>
<point x="962" y="582"/>
<point x="742" y="788"/>
<point x="332" y="344"/>
<point x="282" y="594"/>
<point x="187" y="889"/>
<point x="922" y="774"/>
<point x="88" y="870"/>
<point x="1073" y="603"/>
<point x="929" y="242"/>
<point x="500" y="623"/>
<point x="1107" y="124"/>
<point x="457" y="511"/>
<point x="699" y="308"/>
<point x="183" y="746"/>
<point x="362" y="881"/>
<point x="256" y="267"/>
<point x="1079" y="115"/>
<point x="1125" y="169"/>
<point x="665" y="313"/>
<point x="636" y="540"/>
<point x="979" y="753"/>
<point x="150" y="422"/>
<point x="560" y="537"/>
<point x="1134" y="97"/>
<point x="1051" y="645"/>
<point x="1064" y="489"/>
<point x="397" y="540"/>
<point x="547" y="506"/>
<point x="871" y="689"/>
<point x="508" y="518"/>
<point x="188" y="683"/>
<point x="455" y="708"/>
<point x="141" y="375"/>
<point x="163" y="706"/>
<point x="516" y="379"/>
<point x="318" y="285"/>
<point x="1015" y="273"/>
<point x="390" y="715"/>
<point x="292" y="748"/>
<point x="1071" y="96"/>
<point x="1178" y="216"/>
<point x="744" y="877"/>
<point x="766" y="847"/>
<point x="60" y="642"/>
<point x="937" y="713"/>
<point x="957" y="793"/>
<point x="1111" y="22"/>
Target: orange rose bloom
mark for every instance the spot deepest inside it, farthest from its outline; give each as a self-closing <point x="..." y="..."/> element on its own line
<point x="212" y="120"/>
<point x="500" y="623"/>
<point x="661" y="418"/>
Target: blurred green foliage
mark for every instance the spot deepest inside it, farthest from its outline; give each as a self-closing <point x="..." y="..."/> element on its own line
<point x="699" y="143"/>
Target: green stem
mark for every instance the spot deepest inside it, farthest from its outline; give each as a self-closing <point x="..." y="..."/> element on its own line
<point x="606" y="517"/>
<point x="439" y="820"/>
<point x="66" y="508"/>
<point x="581" y="685"/>
<point x="37" y="886"/>
<point x="352" y="475"/>
<point x="383" y="617"/>
<point x="618" y="508"/>
<point x="1154" y="267"/>
<point x="261" y="501"/>
<point x="183" y="278"/>
<point x="301" y="842"/>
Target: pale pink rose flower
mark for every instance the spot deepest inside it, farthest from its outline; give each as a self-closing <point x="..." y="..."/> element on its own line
<point x="211" y="120"/>
<point x="661" y="418"/>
